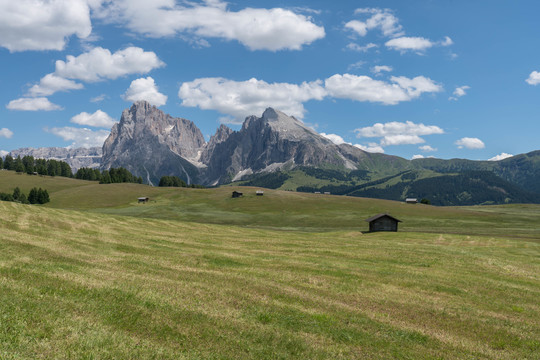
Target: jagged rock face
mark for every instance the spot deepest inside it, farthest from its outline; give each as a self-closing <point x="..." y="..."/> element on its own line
<point x="150" y="144"/>
<point x="270" y="142"/>
<point x="76" y="158"/>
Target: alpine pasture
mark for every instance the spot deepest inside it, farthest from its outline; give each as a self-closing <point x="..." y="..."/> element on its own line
<point x="195" y="274"/>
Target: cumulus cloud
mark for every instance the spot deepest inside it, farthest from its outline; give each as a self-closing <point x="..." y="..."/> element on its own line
<point x="98" y="98"/>
<point x="97" y="119"/>
<point x="258" y="29"/>
<point x="371" y="147"/>
<point x="100" y="64"/>
<point x="32" y="104"/>
<point x="534" y="78"/>
<point x="145" y="89"/>
<point x="470" y="143"/>
<point x="51" y="83"/>
<point x="242" y="98"/>
<point x="42" y="25"/>
<point x="336" y="139"/>
<point x="377" y="69"/>
<point x="361" y="48"/>
<point x="427" y="148"/>
<point x="501" y="156"/>
<point x="459" y="92"/>
<point x="364" y="88"/>
<point x="417" y="157"/>
<point x="417" y="44"/>
<point x="398" y="133"/>
<point x="80" y="137"/>
<point x="381" y="19"/>
<point x="6" y="133"/>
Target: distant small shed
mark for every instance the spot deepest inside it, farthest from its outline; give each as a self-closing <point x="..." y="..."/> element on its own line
<point x="327" y="193"/>
<point x="383" y="222"/>
<point x="259" y="193"/>
<point x="237" y="194"/>
<point x="143" y="200"/>
<point x="411" y="200"/>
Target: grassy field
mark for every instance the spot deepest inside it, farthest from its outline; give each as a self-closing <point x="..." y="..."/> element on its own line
<point x="195" y="274"/>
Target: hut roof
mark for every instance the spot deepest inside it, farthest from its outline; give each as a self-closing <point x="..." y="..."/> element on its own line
<point x="380" y="216"/>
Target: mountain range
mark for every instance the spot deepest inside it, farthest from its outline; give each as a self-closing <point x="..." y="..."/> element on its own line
<point x="279" y="151"/>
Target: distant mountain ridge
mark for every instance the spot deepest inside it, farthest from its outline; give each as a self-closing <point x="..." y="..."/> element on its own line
<point x="279" y="151"/>
<point x="76" y="158"/>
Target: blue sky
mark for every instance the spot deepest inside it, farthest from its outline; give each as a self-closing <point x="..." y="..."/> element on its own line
<point x="449" y="79"/>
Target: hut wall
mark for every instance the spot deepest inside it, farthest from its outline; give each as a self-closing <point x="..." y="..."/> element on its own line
<point x="383" y="224"/>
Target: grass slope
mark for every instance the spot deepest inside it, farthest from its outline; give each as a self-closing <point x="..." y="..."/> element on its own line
<point x="81" y="285"/>
<point x="195" y="274"/>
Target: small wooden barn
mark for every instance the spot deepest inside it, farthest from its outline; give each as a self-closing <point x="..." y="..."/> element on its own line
<point x="237" y="194"/>
<point x="411" y="200"/>
<point x="383" y="222"/>
<point x="259" y="193"/>
<point x="143" y="200"/>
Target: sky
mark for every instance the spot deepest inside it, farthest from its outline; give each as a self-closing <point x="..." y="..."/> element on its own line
<point x="419" y="78"/>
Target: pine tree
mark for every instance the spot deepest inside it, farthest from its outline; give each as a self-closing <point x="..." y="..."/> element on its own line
<point x="33" y="196"/>
<point x="1" y="163"/>
<point x="19" y="166"/>
<point x="16" y="194"/>
<point x="9" y="163"/>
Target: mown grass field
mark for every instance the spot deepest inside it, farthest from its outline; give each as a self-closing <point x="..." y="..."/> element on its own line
<point x="197" y="275"/>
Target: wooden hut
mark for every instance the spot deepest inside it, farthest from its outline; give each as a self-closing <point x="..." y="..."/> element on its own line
<point x="143" y="200"/>
<point x="383" y="222"/>
<point x="237" y="194"/>
<point x="411" y="200"/>
<point x="259" y="193"/>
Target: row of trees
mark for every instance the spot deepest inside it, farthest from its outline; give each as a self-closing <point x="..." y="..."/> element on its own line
<point x="175" y="181"/>
<point x="36" y="196"/>
<point x="111" y="176"/>
<point x="29" y="165"/>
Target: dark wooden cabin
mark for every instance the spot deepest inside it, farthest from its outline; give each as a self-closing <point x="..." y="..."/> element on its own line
<point x="143" y="200"/>
<point x="237" y="194"/>
<point x="383" y="222"/>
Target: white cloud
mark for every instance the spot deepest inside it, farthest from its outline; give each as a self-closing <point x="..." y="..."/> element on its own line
<point x="98" y="98"/>
<point x="100" y="64"/>
<point x="381" y="19"/>
<point x="401" y="139"/>
<point x="417" y="44"/>
<point x="356" y="65"/>
<point x="406" y="43"/>
<point x="417" y="157"/>
<point x="3" y="153"/>
<point x="258" y="29"/>
<point x="145" y="89"/>
<point x="97" y="119"/>
<point x="50" y="83"/>
<point x="470" y="143"/>
<point x="242" y="98"/>
<point x="364" y="88"/>
<point x="360" y="48"/>
<point x="534" y="78"/>
<point x="398" y="133"/>
<point x="371" y="147"/>
<point x="377" y="69"/>
<point x="42" y="25"/>
<point x="6" y="133"/>
<point x="427" y="148"/>
<point x="459" y="92"/>
<point x="501" y="156"/>
<point x="336" y="139"/>
<point x="80" y="137"/>
<point x="32" y="104"/>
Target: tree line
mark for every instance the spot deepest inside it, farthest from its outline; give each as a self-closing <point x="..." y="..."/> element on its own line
<point x="111" y="176"/>
<point x="175" y="181"/>
<point x="27" y="164"/>
<point x="35" y="196"/>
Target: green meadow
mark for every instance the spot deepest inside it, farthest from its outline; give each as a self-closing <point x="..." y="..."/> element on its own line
<point x="195" y="274"/>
